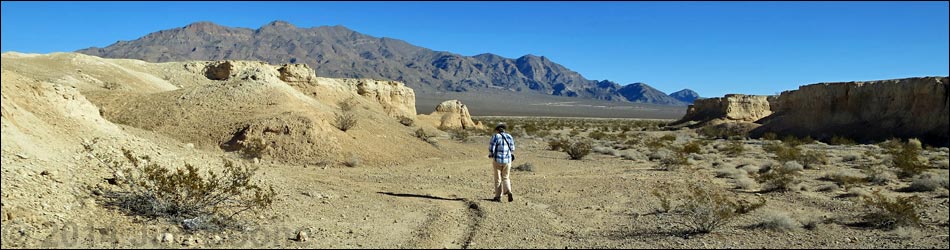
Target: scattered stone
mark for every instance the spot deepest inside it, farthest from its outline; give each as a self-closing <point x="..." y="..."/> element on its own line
<point x="167" y="237"/>
<point x="302" y="236"/>
<point x="22" y="156"/>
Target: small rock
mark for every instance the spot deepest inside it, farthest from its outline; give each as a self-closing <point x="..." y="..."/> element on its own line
<point x="44" y="173"/>
<point x="167" y="237"/>
<point x="190" y="145"/>
<point x="217" y="239"/>
<point x="190" y="241"/>
<point x="302" y="236"/>
<point x="22" y="156"/>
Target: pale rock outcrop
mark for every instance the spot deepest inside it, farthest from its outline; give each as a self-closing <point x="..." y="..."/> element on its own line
<point x="865" y="111"/>
<point x="451" y="114"/>
<point x="296" y="73"/>
<point x="235" y="70"/>
<point x="454" y="115"/>
<point x="732" y="107"/>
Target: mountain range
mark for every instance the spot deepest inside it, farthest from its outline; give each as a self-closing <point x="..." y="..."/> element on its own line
<point x="336" y="51"/>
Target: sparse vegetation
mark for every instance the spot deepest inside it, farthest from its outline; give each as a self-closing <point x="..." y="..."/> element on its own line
<point x="928" y="182"/>
<point x="905" y="159"/>
<point x="253" y="147"/>
<point x="183" y="195"/>
<point x="734" y="148"/>
<point x="777" y="221"/>
<point x="887" y="213"/>
<point x="558" y="144"/>
<point x="840" y="140"/>
<point x="781" y="177"/>
<point x="425" y="136"/>
<point x="703" y="207"/>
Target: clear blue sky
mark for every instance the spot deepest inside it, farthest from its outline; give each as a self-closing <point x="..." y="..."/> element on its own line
<point x="714" y="48"/>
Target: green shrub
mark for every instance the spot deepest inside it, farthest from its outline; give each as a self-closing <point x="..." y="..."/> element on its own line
<point x="783" y="153"/>
<point x="889" y="213"/>
<point x="198" y="202"/>
<point x="668" y="137"/>
<point x="780" y="178"/>
<point x="906" y="161"/>
<point x="692" y="147"/>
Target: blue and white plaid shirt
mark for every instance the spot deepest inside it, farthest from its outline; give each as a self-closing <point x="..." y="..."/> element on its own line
<point x="501" y="147"/>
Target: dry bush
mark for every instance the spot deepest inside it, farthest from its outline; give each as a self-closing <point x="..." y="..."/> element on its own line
<point x="406" y="121"/>
<point x="780" y="178"/>
<point x="839" y="140"/>
<point x="812" y="158"/>
<point x="668" y="137"/>
<point x="253" y="147"/>
<point x="878" y="174"/>
<point x="426" y="136"/>
<point x="674" y="161"/>
<point x="928" y="182"/>
<point x="783" y="152"/>
<point x="344" y="120"/>
<point x="597" y="135"/>
<point x="578" y="149"/>
<point x="777" y="221"/>
<point x="692" y="147"/>
<point x="887" y="213"/>
<point x="526" y="167"/>
<point x="631" y="156"/>
<point x="558" y="144"/>
<point x="702" y="206"/>
<point x="198" y="201"/>
<point x="905" y="160"/>
<point x="734" y="148"/>
<point x="846" y="179"/>
<point x="770" y="136"/>
<point x="461" y="135"/>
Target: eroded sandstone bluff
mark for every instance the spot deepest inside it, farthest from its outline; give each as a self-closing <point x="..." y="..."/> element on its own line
<point x="868" y="111"/>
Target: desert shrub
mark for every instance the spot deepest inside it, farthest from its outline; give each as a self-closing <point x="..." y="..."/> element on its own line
<point x="791" y="141"/>
<point x="845" y="179"/>
<point x="777" y="221"/>
<point x="928" y="182"/>
<point x="597" y="135"/>
<point x="460" y="134"/>
<point x="692" y="147"/>
<point x="673" y="162"/>
<point x="906" y="161"/>
<point x="770" y="136"/>
<point x="406" y="121"/>
<point x="344" y="120"/>
<point x="668" y="137"/>
<point x="703" y="207"/>
<point x="840" y="140"/>
<point x="811" y="158"/>
<point x="347" y="105"/>
<point x="527" y="167"/>
<point x="606" y="151"/>
<point x="887" y="213"/>
<point x="558" y="144"/>
<point x="578" y="149"/>
<point x="425" y="136"/>
<point x="877" y="174"/>
<point x="655" y="144"/>
<point x="734" y="148"/>
<point x="780" y="178"/>
<point x="253" y="147"/>
<point x="183" y="195"/>
<point x="783" y="153"/>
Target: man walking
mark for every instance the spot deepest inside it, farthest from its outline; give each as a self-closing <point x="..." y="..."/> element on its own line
<point x="502" y="149"/>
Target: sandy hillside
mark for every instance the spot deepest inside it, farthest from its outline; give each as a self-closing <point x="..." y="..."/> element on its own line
<point x="377" y="185"/>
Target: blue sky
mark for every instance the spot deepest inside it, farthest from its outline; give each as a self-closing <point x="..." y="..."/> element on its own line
<point x="714" y="48"/>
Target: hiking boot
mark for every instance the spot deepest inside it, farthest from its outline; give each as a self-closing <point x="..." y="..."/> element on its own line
<point x="496" y="199"/>
<point x="510" y="197"/>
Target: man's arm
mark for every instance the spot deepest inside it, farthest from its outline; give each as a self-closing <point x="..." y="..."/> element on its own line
<point x="491" y="146"/>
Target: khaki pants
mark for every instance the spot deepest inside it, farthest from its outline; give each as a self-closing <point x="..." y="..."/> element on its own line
<point x="502" y="182"/>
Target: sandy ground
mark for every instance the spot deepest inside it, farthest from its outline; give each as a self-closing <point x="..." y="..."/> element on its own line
<point x="404" y="193"/>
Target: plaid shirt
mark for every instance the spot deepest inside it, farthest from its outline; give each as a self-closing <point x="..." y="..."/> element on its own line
<point x="499" y="147"/>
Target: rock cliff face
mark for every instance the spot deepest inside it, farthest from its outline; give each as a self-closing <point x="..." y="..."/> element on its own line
<point x="865" y="111"/>
<point x="733" y="107"/>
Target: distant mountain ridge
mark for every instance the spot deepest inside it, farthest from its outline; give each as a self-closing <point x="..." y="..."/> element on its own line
<point x="336" y="51"/>
<point x="685" y="95"/>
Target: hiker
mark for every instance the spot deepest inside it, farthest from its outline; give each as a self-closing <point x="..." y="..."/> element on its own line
<point x="502" y="150"/>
